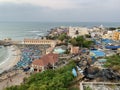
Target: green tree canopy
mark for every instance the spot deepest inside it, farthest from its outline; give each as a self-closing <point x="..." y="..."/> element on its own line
<point x="112" y="28"/>
<point x="62" y="37"/>
<point x="81" y="42"/>
<point x="113" y="62"/>
<point x="73" y="41"/>
<point x="58" y="79"/>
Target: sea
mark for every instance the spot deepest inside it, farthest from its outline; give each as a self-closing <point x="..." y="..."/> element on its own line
<point x="21" y="30"/>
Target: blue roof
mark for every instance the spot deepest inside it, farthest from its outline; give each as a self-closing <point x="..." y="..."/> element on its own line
<point x="98" y="53"/>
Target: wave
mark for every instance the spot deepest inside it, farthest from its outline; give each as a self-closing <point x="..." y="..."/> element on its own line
<point x="39" y="34"/>
<point x="3" y="53"/>
<point x="34" y="31"/>
<point x="7" y="56"/>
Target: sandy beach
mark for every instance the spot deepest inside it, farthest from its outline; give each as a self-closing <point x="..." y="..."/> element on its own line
<point x="14" y="77"/>
<point x="12" y="58"/>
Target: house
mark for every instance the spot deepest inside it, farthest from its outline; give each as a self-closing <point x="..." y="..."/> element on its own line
<point x="43" y="63"/>
<point x="74" y="50"/>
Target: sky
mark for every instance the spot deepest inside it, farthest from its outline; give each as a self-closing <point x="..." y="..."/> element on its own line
<point x="60" y="10"/>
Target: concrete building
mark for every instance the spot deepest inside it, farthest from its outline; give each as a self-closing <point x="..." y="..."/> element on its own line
<point x="76" y="31"/>
<point x="52" y="43"/>
<point x="116" y="35"/>
<point x="108" y="35"/>
<point x="74" y="50"/>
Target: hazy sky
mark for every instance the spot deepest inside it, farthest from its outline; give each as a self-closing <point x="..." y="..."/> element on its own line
<point x="60" y="10"/>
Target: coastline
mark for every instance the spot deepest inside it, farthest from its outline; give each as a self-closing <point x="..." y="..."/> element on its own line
<point x="11" y="60"/>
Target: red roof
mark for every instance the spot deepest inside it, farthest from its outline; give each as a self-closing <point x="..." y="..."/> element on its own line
<point x="46" y="59"/>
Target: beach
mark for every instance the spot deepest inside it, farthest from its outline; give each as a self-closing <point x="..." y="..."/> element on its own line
<point x="12" y="58"/>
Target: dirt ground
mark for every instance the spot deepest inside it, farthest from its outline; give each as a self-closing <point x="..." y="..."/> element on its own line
<point x="13" y="80"/>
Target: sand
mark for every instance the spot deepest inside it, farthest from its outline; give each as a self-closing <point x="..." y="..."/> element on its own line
<point x="13" y="80"/>
<point x="11" y="60"/>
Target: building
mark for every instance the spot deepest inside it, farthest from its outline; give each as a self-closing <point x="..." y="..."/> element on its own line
<point x="42" y="63"/>
<point x="116" y="35"/>
<point x="77" y="31"/>
<point x="52" y="43"/>
<point x="74" y="50"/>
<point x="49" y="50"/>
<point x="107" y="35"/>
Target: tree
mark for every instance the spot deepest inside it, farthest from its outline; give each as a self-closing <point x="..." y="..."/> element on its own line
<point x="73" y="41"/>
<point x="88" y="88"/>
<point x="118" y="27"/>
<point x="88" y="36"/>
<point x="80" y="40"/>
<point x="113" y="62"/>
<point x="67" y="51"/>
<point x="112" y="28"/>
<point x="62" y="37"/>
<point x="58" y="79"/>
<point x="87" y="43"/>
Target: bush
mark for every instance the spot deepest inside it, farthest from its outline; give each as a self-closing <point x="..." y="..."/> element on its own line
<point x="48" y="80"/>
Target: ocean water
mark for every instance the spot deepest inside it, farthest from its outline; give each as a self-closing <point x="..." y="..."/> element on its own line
<point x="21" y="30"/>
<point x="3" y="53"/>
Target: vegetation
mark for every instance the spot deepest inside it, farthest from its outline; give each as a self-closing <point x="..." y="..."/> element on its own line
<point x="81" y="42"/>
<point x="88" y="88"/>
<point x="52" y="37"/>
<point x="48" y="80"/>
<point x="118" y="27"/>
<point x="113" y="62"/>
<point x="67" y="51"/>
<point x="88" y="36"/>
<point x="62" y="37"/>
<point x="112" y="28"/>
<point x="73" y="41"/>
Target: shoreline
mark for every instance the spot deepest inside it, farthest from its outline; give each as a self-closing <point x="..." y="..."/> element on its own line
<point x="11" y="60"/>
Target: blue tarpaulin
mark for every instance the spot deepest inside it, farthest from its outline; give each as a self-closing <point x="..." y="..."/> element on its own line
<point x="74" y="72"/>
<point x="107" y="41"/>
<point x="112" y="47"/>
<point x="102" y="60"/>
<point x="98" y="53"/>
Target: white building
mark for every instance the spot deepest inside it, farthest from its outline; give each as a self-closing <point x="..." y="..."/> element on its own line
<point x="108" y="35"/>
<point x="77" y="31"/>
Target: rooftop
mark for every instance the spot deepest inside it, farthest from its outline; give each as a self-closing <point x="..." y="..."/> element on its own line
<point x="46" y="59"/>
